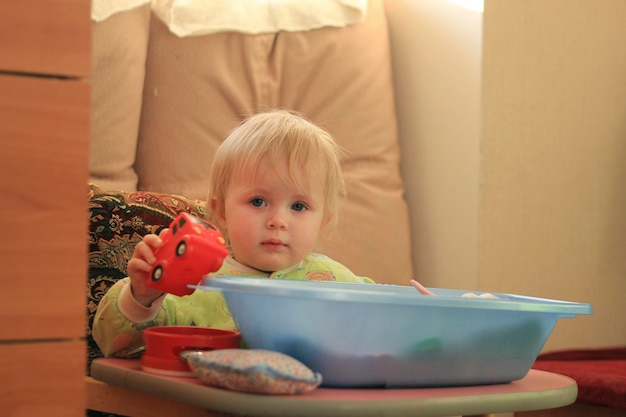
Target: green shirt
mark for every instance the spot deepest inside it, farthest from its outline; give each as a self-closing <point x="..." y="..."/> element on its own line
<point x="120" y="319"/>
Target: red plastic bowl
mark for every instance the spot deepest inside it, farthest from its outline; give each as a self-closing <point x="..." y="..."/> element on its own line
<point x="164" y="344"/>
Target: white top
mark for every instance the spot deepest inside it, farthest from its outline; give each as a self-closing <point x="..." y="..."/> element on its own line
<point x="202" y="17"/>
<point x="102" y="9"/>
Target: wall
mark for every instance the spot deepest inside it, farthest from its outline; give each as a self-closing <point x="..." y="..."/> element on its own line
<point x="513" y="128"/>
<point x="436" y="48"/>
<point x="553" y="164"/>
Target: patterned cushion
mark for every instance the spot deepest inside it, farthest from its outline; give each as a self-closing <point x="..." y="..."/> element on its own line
<point x="117" y="222"/>
<point x="253" y="370"/>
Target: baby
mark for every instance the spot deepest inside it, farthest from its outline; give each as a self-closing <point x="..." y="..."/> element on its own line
<point x="275" y="185"/>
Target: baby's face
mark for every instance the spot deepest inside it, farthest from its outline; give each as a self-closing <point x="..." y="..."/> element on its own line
<point x="270" y="223"/>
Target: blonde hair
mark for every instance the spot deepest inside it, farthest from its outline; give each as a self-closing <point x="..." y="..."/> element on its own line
<point x="273" y="136"/>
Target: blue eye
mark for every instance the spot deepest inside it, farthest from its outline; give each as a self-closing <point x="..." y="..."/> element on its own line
<point x="298" y="207"/>
<point x="257" y="202"/>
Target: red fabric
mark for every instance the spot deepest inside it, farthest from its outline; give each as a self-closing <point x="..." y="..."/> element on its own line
<point x="599" y="373"/>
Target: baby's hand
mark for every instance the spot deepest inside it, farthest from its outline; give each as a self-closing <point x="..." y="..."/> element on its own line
<point x="139" y="267"/>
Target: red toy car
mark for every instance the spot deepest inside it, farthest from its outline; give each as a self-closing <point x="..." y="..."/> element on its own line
<point x="191" y="249"/>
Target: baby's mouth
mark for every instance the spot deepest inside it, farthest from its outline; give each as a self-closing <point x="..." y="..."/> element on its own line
<point x="273" y="243"/>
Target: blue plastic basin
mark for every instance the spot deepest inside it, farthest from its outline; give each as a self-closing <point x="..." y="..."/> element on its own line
<point x="374" y="335"/>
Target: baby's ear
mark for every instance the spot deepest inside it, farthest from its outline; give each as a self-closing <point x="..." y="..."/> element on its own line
<point x="328" y="218"/>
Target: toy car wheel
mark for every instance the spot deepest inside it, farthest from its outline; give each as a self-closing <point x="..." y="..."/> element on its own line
<point x="157" y="273"/>
<point x="181" y="248"/>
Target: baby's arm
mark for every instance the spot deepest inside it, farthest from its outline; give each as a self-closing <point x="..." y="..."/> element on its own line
<point x="113" y="328"/>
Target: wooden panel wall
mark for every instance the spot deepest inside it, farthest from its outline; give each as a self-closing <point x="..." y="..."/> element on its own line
<point x="46" y="37"/>
<point x="45" y="60"/>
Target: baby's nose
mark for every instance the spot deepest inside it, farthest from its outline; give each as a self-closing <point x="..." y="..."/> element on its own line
<point x="277" y="220"/>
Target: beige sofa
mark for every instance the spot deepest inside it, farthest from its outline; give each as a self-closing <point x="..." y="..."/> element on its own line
<point x="161" y="104"/>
